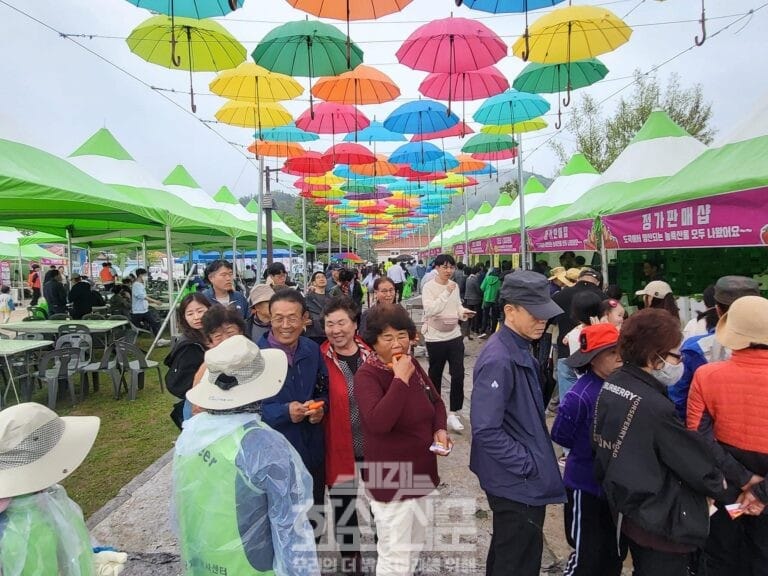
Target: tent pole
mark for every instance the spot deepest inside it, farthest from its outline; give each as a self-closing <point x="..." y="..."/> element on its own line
<point x="234" y="257"/>
<point x="90" y="262"/>
<point x="604" y="260"/>
<point x="466" y="229"/>
<point x="21" y="275"/>
<point x="69" y="257"/>
<point x="329" y="238"/>
<point x="442" y="226"/>
<point x="169" y="254"/>
<point x="144" y="252"/>
<point x="259" y="228"/>
<point x="304" y="241"/>
<point x="340" y="236"/>
<point x="521" y="197"/>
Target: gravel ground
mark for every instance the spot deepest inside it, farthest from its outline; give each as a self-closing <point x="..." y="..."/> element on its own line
<point x="138" y="519"/>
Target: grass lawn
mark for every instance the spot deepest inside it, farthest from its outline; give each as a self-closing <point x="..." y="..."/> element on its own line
<point x="132" y="436"/>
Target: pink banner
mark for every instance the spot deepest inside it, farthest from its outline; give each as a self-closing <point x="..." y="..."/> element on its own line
<point x="506" y="244"/>
<point x="458" y="249"/>
<point x="735" y="219"/>
<point x="569" y="236"/>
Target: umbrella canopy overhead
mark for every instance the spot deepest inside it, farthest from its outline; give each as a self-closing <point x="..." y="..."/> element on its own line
<point x="363" y="85"/>
<point x="349" y="153"/>
<point x="277" y="149"/>
<point x="509" y="6"/>
<point x="309" y="163"/>
<point x="375" y="132"/>
<point x="511" y="107"/>
<point x="485" y="143"/>
<point x="518" y="128"/>
<point x="350" y="9"/>
<point x="250" y="82"/>
<point x="190" y="8"/>
<point x="332" y="118"/>
<point x="247" y="115"/>
<point x="419" y="117"/>
<point x="287" y="133"/>
<point x="461" y="86"/>
<point x="415" y="152"/>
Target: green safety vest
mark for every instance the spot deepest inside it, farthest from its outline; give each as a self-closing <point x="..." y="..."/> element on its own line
<point x="206" y="505"/>
<point x="33" y="543"/>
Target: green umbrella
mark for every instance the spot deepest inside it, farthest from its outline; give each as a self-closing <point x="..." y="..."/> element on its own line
<point x="550" y="78"/>
<point x="203" y="45"/>
<point x="483" y="143"/>
<point x="306" y="48"/>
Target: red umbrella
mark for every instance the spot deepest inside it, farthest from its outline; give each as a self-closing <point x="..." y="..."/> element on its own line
<point x="349" y="153"/>
<point x="461" y="129"/>
<point x="300" y="184"/>
<point x="309" y="163"/>
<point x="405" y="171"/>
<point x="332" y="118"/>
<point x="502" y="155"/>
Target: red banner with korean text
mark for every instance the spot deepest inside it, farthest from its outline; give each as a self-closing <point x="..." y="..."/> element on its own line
<point x="734" y="219"/>
<point x="506" y="244"/>
<point x="574" y="236"/>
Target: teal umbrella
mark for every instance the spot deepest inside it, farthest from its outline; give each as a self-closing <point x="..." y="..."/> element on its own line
<point x="288" y="133"/>
<point x="306" y="48"/>
<point x="555" y="78"/>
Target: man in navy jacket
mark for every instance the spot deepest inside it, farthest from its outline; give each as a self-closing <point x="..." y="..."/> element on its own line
<point x="512" y="452"/>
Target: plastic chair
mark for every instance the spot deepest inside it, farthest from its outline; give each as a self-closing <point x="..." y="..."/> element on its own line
<point x="94" y="316"/>
<point x="58" y="317"/>
<point x="130" y="358"/>
<point x="83" y="343"/>
<point x="37" y="313"/>
<point x="73" y="329"/>
<point x="55" y="368"/>
<point x="108" y="364"/>
<point x="28" y="336"/>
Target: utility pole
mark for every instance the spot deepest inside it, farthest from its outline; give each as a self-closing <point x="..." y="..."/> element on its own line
<point x="267" y="207"/>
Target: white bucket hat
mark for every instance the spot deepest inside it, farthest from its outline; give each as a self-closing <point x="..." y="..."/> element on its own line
<point x="239" y="373"/>
<point x="38" y="448"/>
<point x="745" y="323"/>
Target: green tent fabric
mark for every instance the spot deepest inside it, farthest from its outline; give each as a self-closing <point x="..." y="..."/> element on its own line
<point x="576" y="177"/>
<point x="657" y="151"/>
<point x="225" y="195"/>
<point x="29" y="252"/>
<point x="507" y="219"/>
<point x="40" y="191"/>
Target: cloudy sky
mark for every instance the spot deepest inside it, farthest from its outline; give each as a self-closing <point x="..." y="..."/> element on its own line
<point x="54" y="93"/>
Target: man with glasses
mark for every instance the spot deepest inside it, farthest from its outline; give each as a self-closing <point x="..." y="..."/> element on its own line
<point x="221" y="276"/>
<point x="442" y="333"/>
<point x="294" y="411"/>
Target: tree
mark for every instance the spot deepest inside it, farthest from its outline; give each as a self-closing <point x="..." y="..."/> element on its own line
<point x="601" y="138"/>
<point x="509" y="187"/>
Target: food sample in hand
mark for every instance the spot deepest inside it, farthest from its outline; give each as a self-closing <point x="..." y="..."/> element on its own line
<point x="395" y="358"/>
<point x="440" y="448"/>
<point x="316" y="404"/>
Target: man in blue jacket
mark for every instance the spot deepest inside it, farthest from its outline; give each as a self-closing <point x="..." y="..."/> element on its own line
<point x="306" y="383"/>
<point x="221" y="276"/>
<point x="512" y="452"/>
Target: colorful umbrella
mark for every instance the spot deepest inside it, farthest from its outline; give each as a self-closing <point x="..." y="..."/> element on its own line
<point x="197" y="9"/>
<point x="511" y="107"/>
<point x="363" y="85"/>
<point x="306" y="48"/>
<point x="518" y="128"/>
<point x="249" y="115"/>
<point x="250" y="82"/>
<point x="496" y="156"/>
<point x="415" y="152"/>
<point x="288" y="133"/>
<point x="419" y="117"/>
<point x="331" y="118"/>
<point x="550" y="78"/>
<point x="451" y="45"/>
<point x="375" y="132"/>
<point x="381" y="167"/>
<point x="206" y="46"/>
<point x="310" y="163"/>
<point x="328" y="179"/>
<point x="276" y="149"/>
<point x="349" y="153"/>
<point x="572" y="33"/>
<point x="468" y="164"/>
<point x="462" y="86"/>
<point x="350" y="10"/>
<point x="461" y="129"/>
<point x="485" y="143"/>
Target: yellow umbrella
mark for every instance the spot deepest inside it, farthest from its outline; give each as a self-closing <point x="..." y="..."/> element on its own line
<point x="517" y="128"/>
<point x="250" y="82"/>
<point x="327" y="179"/>
<point x="572" y="33"/>
<point x="247" y="115"/>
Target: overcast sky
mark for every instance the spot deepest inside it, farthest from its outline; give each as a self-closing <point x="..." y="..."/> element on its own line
<point x="54" y="94"/>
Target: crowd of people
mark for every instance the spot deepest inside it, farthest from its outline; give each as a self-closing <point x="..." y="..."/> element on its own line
<point x="290" y="404"/>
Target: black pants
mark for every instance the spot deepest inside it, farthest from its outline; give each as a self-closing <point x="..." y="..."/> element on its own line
<point x="399" y="291"/>
<point x="735" y="546"/>
<point x="650" y="562"/>
<point x="517" y="541"/>
<point x="344" y="505"/>
<point x="35" y="296"/>
<point x="317" y="517"/>
<point x="491" y="317"/>
<point x="475" y="323"/>
<point x="451" y="351"/>
<point x="590" y="530"/>
<point x="147" y="319"/>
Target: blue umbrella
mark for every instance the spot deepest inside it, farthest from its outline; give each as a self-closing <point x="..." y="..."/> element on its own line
<point x="375" y="132"/>
<point x="445" y="162"/>
<point x="490" y="170"/>
<point x="343" y="171"/>
<point x="420" y="117"/>
<point x="288" y="133"/>
<point x="415" y="152"/>
<point x="510" y="107"/>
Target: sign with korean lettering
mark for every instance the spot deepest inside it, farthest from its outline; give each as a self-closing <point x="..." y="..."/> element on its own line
<point x="506" y="244"/>
<point x="734" y="219"/>
<point x="569" y="236"/>
<point x="5" y="273"/>
<point x="458" y="249"/>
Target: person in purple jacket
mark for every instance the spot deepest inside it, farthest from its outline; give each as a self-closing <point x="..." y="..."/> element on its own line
<point x="589" y="526"/>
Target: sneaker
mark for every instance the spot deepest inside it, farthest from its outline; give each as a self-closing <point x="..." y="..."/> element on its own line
<point x="454" y="424"/>
<point x="482" y="336"/>
<point x="162" y="343"/>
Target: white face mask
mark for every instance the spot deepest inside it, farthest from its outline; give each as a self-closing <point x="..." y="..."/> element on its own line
<point x="669" y="374"/>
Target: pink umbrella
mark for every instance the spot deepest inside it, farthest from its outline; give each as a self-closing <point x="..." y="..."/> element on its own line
<point x="471" y="85"/>
<point x="501" y="155"/>
<point x="349" y="153"/>
<point x="332" y="118"/>
<point x="300" y="184"/>
<point x="461" y="129"/>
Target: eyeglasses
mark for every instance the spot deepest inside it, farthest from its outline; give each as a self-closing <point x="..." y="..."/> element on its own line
<point x="286" y="320"/>
<point x="675" y="355"/>
<point x="447" y="266"/>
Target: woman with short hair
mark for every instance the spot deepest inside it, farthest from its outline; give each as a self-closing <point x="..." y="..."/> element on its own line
<point x="316" y="300"/>
<point x="656" y="474"/>
<point x="403" y="421"/>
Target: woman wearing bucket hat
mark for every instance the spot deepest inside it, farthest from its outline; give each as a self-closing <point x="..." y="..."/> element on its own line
<point x="656" y="474"/>
<point x="241" y="492"/>
<point x="589" y="527"/>
<point x="41" y="530"/>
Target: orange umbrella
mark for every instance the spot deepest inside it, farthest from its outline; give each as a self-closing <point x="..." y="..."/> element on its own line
<point x="277" y="149"/>
<point x="379" y="168"/>
<point x="363" y="85"/>
<point x="468" y="164"/>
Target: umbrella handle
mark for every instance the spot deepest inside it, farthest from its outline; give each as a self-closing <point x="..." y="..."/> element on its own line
<point x="175" y="60"/>
<point x="233" y="4"/>
<point x="459" y="2"/>
<point x="558" y="124"/>
<point x="703" y="22"/>
<point x="527" y="50"/>
<point x="567" y="99"/>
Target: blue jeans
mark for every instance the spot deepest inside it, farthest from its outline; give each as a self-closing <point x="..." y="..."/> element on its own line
<point x="566" y="377"/>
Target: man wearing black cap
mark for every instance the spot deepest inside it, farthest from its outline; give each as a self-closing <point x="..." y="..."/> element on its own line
<point x="702" y="349"/>
<point x="512" y="453"/>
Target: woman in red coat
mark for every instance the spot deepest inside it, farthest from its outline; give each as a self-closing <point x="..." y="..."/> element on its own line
<point x="344" y="353"/>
